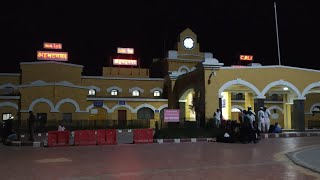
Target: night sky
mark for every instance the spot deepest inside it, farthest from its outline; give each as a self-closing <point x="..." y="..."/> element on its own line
<point x="91" y="31"/>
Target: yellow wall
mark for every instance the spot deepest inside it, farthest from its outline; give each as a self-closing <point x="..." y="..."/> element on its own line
<point x="50" y="72"/>
<point x="125" y="84"/>
<point x="125" y="72"/>
<point x="4" y="79"/>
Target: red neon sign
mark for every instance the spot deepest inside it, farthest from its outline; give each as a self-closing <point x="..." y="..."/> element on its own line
<point x="126" y="62"/>
<point x="246" y="57"/>
<point x="50" y="55"/>
<point x="125" y="50"/>
<point x="47" y="45"/>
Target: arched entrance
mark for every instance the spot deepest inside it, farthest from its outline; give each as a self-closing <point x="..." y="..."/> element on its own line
<point x="186" y="104"/>
<point x="234" y="94"/>
<point x="279" y="99"/>
<point x="312" y="105"/>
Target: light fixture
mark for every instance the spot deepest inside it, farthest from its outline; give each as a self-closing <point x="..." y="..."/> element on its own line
<point x="285" y="88"/>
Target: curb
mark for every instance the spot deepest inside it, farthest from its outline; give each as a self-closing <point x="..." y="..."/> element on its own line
<point x="33" y="144"/>
<point x="262" y="136"/>
<point x="184" y="140"/>
<point x="289" y="134"/>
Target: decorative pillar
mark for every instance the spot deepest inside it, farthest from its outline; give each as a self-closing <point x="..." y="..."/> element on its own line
<point x="257" y="104"/>
<point x="226" y="105"/>
<point x="182" y="107"/>
<point x="298" y="115"/>
<point x="287" y="111"/>
<point x="248" y="101"/>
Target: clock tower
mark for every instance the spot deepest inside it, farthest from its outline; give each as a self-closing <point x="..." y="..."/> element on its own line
<point x="188" y="42"/>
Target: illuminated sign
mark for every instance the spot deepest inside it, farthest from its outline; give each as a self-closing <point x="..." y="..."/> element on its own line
<point x="47" y="45"/>
<point x="125" y="50"/>
<point x="50" y="55"/>
<point x="246" y="57"/>
<point x="128" y="62"/>
<point x="171" y="115"/>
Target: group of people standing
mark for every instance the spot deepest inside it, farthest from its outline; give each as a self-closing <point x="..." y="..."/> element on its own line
<point x="264" y="119"/>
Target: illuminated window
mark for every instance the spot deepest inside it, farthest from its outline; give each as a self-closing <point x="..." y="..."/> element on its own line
<point x="135" y="93"/>
<point x="92" y="92"/>
<point x="156" y="93"/>
<point x="6" y="116"/>
<point x="114" y="92"/>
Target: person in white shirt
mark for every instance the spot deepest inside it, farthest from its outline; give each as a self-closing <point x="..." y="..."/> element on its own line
<point x="252" y="118"/>
<point x="261" y="120"/>
<point x="61" y="127"/>
<point x="267" y="114"/>
<point x="217" y="117"/>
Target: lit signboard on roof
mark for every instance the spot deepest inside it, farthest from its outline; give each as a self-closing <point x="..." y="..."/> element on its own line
<point x="125" y="51"/>
<point x="47" y="45"/>
<point x="246" y="57"/>
<point x="50" y="55"/>
<point x="125" y="62"/>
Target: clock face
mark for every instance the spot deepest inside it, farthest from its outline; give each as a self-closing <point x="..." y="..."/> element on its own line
<point x="188" y="43"/>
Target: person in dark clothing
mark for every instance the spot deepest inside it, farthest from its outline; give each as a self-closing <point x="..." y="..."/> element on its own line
<point x="9" y="134"/>
<point x="247" y="133"/>
<point x="31" y="120"/>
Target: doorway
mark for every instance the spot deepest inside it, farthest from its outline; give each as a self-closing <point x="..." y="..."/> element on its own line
<point x="122" y="118"/>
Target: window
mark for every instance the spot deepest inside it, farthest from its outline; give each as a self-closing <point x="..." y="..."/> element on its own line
<point x="239" y="96"/>
<point x="92" y="92"/>
<point x="184" y="70"/>
<point x="156" y="93"/>
<point x="135" y="93"/>
<point x="67" y="117"/>
<point x="7" y="91"/>
<point x="114" y="92"/>
<point x="6" y="116"/>
<point x="274" y="97"/>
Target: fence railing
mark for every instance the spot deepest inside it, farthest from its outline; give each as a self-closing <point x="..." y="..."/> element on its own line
<point x="51" y="125"/>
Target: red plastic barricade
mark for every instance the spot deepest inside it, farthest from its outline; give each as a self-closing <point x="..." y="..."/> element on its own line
<point x="111" y="136"/>
<point x="149" y="135"/>
<point x="138" y="136"/>
<point x="85" y="137"/>
<point x="63" y="138"/>
<point x="52" y="138"/>
<point x="58" y="138"/>
<point x="77" y="137"/>
<point x="141" y="136"/>
<point x="101" y="137"/>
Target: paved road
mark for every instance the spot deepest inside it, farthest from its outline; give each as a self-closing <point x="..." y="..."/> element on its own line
<point x="194" y="161"/>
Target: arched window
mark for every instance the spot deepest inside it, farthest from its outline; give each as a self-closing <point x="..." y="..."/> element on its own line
<point x="162" y="113"/>
<point x="145" y="114"/>
<point x="135" y="93"/>
<point x="92" y="92"/>
<point x="6" y="91"/>
<point x="156" y="93"/>
<point x="114" y="92"/>
<point x="184" y="70"/>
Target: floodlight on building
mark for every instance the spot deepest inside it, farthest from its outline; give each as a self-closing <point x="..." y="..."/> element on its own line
<point x="285" y="88"/>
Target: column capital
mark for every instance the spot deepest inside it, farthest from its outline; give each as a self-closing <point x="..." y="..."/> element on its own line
<point x="260" y="97"/>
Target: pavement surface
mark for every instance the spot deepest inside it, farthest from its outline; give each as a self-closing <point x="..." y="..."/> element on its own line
<point x="308" y="157"/>
<point x="195" y="161"/>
